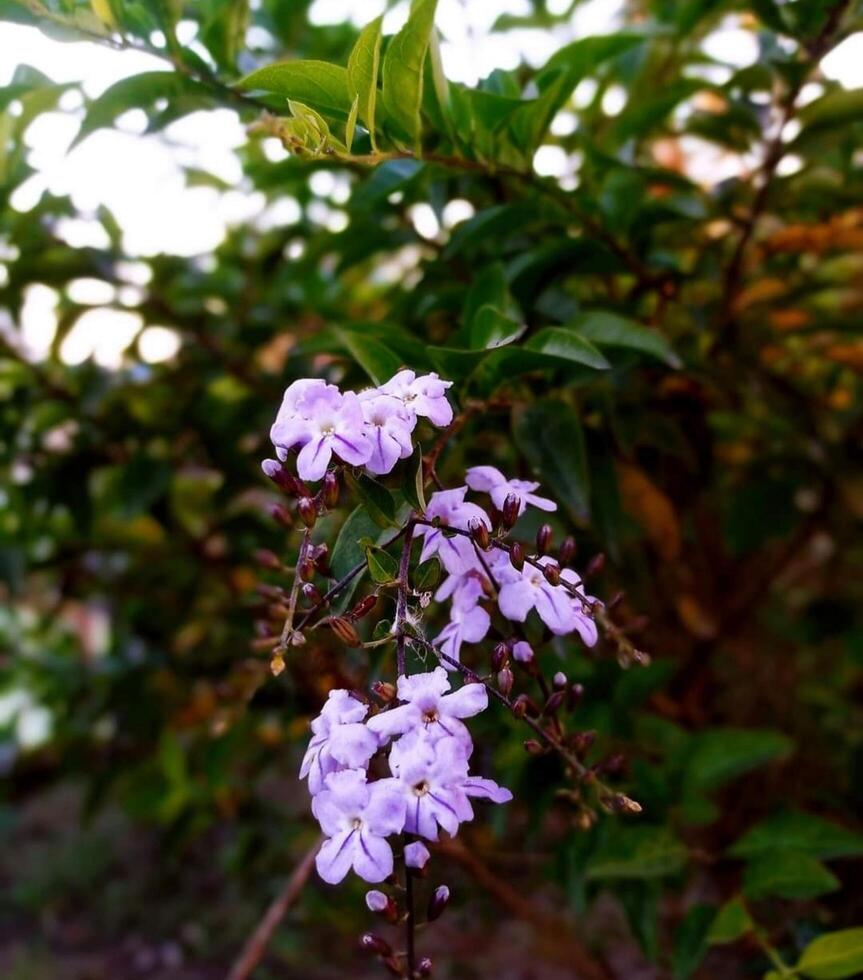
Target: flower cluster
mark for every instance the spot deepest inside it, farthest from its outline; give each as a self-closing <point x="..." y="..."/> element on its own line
<point x="372" y="429"/>
<point x="474" y="574"/>
<point x="430" y="786"/>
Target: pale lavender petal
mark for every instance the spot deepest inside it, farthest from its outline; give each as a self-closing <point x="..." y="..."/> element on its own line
<point x="486" y="789"/>
<point x="516" y="599"/>
<point x="522" y="651"/>
<point x="385" y="813"/>
<point x="475" y="624"/>
<point x="353" y="745"/>
<point x="541" y="503"/>
<point x="586" y="628"/>
<point x="484" y="478"/>
<point x="416" y="854"/>
<point x="554" y="606"/>
<point x="468" y="701"/>
<point x="314" y="459"/>
<point x="336" y="856"/>
<point x="372" y="857"/>
<point x="431" y="683"/>
<point x="376" y="901"/>
<point x="352" y="445"/>
<point x="328" y="813"/>
<point x="394" y="721"/>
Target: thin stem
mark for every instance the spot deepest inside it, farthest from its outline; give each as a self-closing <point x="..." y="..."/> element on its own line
<point x="402" y="600"/>
<point x="410" y="919"/>
<point x="288" y="628"/>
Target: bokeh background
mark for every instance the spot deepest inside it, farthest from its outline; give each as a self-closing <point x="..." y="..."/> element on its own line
<point x="166" y="268"/>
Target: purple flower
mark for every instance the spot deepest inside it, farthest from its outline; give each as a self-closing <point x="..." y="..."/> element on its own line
<point x="389" y="426"/>
<point x="436" y="785"/>
<point x="424" y="396"/>
<point x="529" y="589"/>
<point x="416" y="855"/>
<point x="492" y="481"/>
<point x="339" y="740"/>
<point x="469" y="622"/>
<point x="428" y="708"/>
<point x="522" y="651"/>
<point x="376" y="901"/>
<point x="449" y="506"/>
<point x="356" y="816"/>
<point x="323" y="421"/>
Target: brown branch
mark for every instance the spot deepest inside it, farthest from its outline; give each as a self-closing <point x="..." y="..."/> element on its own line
<point x="256" y="945"/>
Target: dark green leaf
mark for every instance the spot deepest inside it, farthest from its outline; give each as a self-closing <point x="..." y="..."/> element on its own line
<point x="636" y="853"/>
<point x="377" y="499"/>
<point x="787" y="874"/>
<point x="731" y="923"/>
<point x="567" y="345"/>
<point x="379" y="363"/>
<point x="690" y="941"/>
<point x="383" y="567"/>
<point x="316" y="83"/>
<point x="363" y="66"/>
<point x="804" y="833"/>
<point x="607" y="329"/>
<point x="412" y="484"/>
<point x="549" y="436"/>
<point x="402" y="71"/>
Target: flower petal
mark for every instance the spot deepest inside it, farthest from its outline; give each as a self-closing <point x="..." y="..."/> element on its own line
<point x="335" y="857"/>
<point x="372" y="857"/>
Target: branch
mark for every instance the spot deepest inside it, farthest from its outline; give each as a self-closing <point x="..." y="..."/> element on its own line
<point x="402" y="599"/>
<point x="256" y="946"/>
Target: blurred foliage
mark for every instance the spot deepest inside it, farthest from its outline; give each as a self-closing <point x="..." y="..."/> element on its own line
<point x="678" y="358"/>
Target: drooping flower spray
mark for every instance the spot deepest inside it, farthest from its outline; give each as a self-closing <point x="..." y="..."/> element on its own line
<point x="392" y="774"/>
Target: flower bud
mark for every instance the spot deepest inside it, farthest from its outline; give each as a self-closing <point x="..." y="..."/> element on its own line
<point x="416" y="855"/>
<point x="583" y="741"/>
<point x="509" y="511"/>
<point x="496" y="517"/>
<point x="519" y="706"/>
<point x="384" y="691"/>
<point x="595" y="565"/>
<point x="330" y="490"/>
<point x="567" y="550"/>
<point x="623" y="804"/>
<point x="532" y="747"/>
<point x="559" y="680"/>
<point x="281" y="515"/>
<point x="522" y="651"/>
<point x="516" y="556"/>
<point x="372" y="943"/>
<point x="499" y="656"/>
<point x="321" y="559"/>
<point x="363" y="607"/>
<point x="424" y="967"/>
<point x="438" y="902"/>
<point x="576" y="693"/>
<point x="551" y="573"/>
<point x="543" y="538"/>
<point x="307" y="510"/>
<point x="312" y="593"/>
<point x="278" y="474"/>
<point x="277" y="665"/>
<point x="552" y="706"/>
<point x="382" y="905"/>
<point x="306" y="571"/>
<point x="505" y="681"/>
<point x="268" y="559"/>
<point x="479" y="534"/>
<point x="345" y="631"/>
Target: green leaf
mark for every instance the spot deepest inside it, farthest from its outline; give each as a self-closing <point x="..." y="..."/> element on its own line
<point x="690" y="940"/>
<point x="549" y="436"/>
<point x="351" y="124"/>
<point x="412" y="484"/>
<point x="363" y="66"/>
<point x="348" y="552"/>
<point x="837" y="108"/>
<point x="834" y="956"/>
<point x="382" y="566"/>
<point x="377" y="499"/>
<point x="792" y="830"/>
<point x="490" y="329"/>
<point x="402" y="71"/>
<point x="427" y="575"/>
<point x="567" y="345"/>
<point x="636" y="853"/>
<point x="612" y="330"/>
<point x="386" y="179"/>
<point x="787" y="874"/>
<point x="731" y="923"/>
<point x="315" y="83"/>
<point x="718" y="756"/>
<point x="377" y="360"/>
